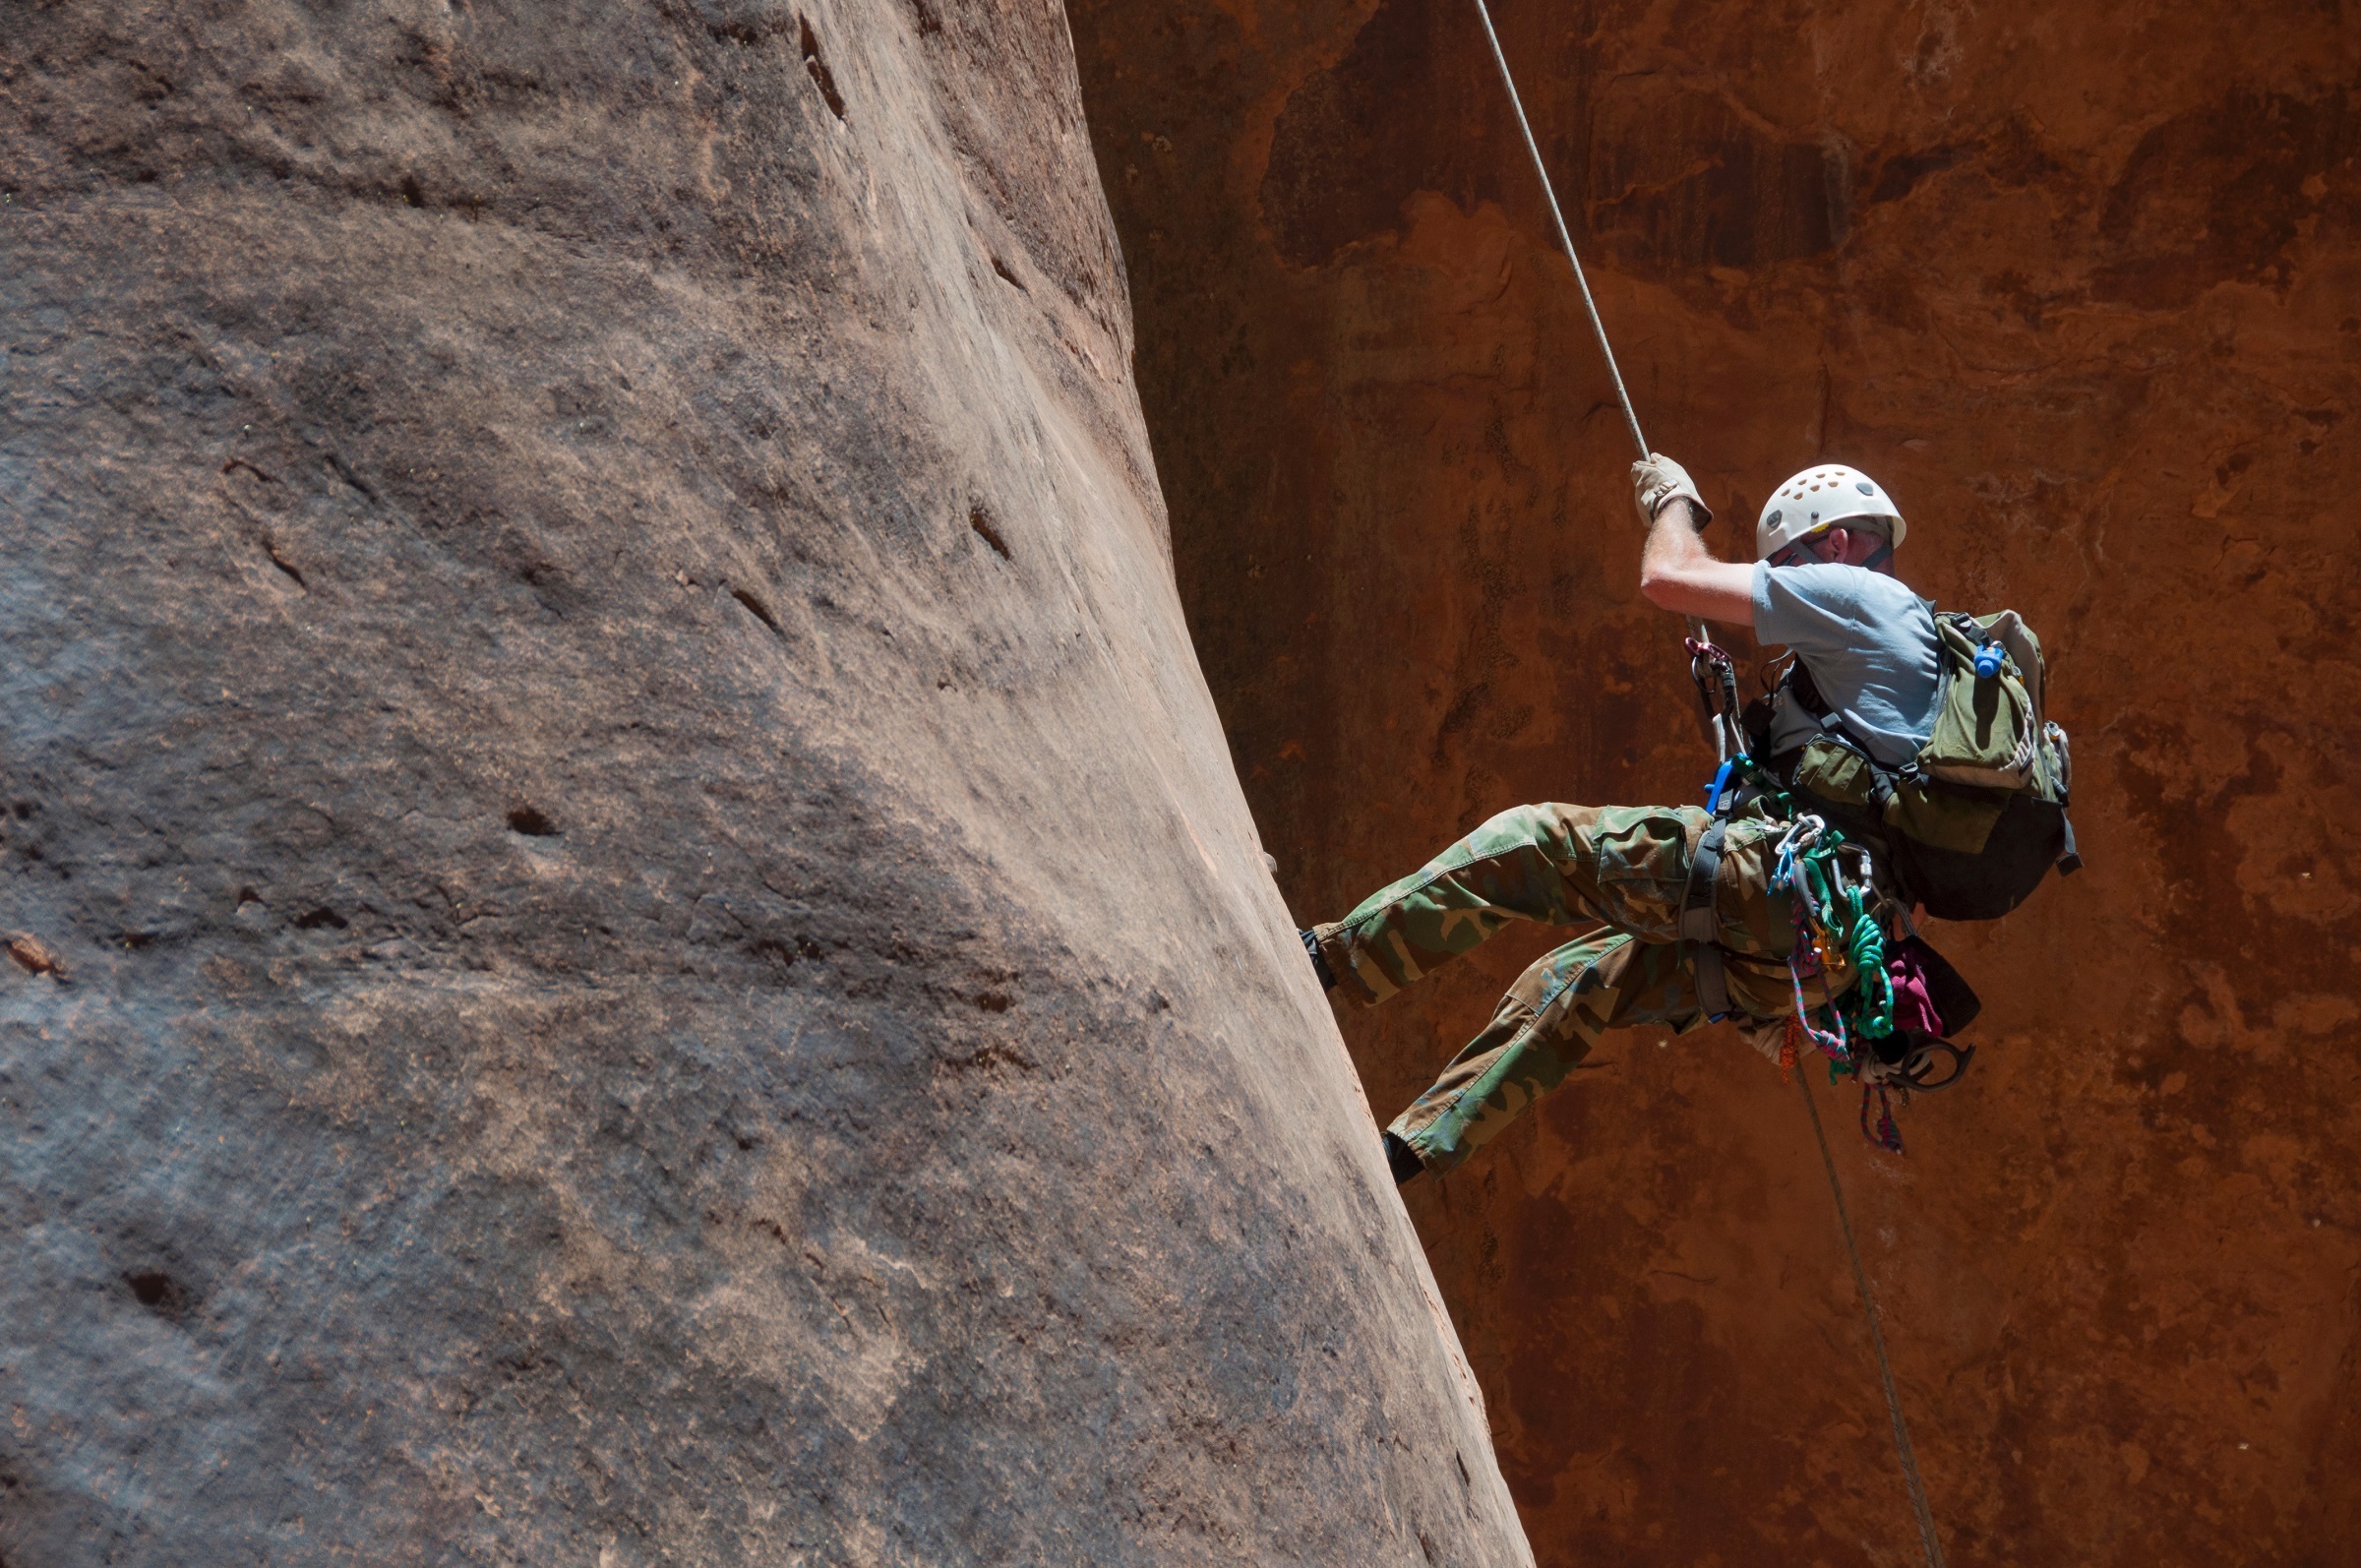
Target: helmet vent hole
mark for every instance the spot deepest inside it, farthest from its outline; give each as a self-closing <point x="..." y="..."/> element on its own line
<point x="1865" y="488"/>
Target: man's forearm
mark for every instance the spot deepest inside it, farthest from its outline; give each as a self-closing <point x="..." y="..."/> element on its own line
<point x="1675" y="541"/>
<point x="1677" y="572"/>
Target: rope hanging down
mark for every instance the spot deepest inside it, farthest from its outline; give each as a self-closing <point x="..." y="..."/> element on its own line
<point x="1877" y="1342"/>
<point x="1901" y="1432"/>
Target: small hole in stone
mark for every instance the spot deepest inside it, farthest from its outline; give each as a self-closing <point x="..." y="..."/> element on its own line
<point x="980" y="519"/>
<point x="1007" y="277"/>
<point x="324" y="916"/>
<point x="820" y="70"/>
<point x="157" y="1291"/>
<point x="756" y="608"/>
<point x="531" y="824"/>
<point x="284" y="565"/>
<point x="412" y="192"/>
<point x="993" y="1002"/>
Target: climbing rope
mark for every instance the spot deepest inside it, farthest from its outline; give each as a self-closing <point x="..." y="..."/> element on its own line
<point x="1582" y="281"/>
<point x="1877" y="1343"/>
<point x="1855" y="933"/>
<point x="1605" y="349"/>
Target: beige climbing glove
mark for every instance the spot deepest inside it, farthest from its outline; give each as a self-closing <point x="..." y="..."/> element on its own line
<point x="1657" y="479"/>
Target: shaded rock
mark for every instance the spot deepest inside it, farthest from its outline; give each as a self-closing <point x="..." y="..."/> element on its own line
<point x="667" y="961"/>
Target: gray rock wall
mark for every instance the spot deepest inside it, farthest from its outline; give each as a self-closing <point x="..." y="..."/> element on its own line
<point x="634" y="937"/>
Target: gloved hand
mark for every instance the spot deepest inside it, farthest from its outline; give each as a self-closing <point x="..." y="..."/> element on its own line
<point x="1657" y="479"/>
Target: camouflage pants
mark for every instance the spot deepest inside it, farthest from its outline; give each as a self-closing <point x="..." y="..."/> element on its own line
<point x="1621" y="868"/>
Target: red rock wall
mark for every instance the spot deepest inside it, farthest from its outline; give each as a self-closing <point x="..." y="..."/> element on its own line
<point x="633" y="939"/>
<point x="2081" y="286"/>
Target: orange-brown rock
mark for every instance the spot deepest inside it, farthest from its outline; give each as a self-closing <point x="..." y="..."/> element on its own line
<point x="634" y="942"/>
<point x="2082" y="286"/>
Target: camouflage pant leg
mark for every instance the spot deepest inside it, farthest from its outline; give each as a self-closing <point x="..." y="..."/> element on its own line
<point x="1544" y="1026"/>
<point x="1622" y="866"/>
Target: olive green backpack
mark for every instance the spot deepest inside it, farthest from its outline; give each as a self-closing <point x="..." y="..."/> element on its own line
<point x="1974" y="823"/>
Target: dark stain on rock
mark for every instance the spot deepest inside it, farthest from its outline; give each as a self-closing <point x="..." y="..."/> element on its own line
<point x="1352" y="142"/>
<point x="1664" y="175"/>
<point x="2217" y="195"/>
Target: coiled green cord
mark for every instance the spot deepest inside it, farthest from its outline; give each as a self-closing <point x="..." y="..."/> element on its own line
<point x="1837" y="914"/>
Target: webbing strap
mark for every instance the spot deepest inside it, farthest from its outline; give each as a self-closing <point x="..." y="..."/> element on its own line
<point x="1698" y="921"/>
<point x="1702" y="926"/>
<point x="1713" y="980"/>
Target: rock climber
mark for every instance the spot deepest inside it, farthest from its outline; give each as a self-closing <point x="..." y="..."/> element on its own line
<point x="1687" y="923"/>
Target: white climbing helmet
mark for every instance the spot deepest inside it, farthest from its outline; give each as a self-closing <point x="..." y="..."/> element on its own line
<point x="1821" y="498"/>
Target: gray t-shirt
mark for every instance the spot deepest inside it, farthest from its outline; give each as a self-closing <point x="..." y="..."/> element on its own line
<point x="1870" y="644"/>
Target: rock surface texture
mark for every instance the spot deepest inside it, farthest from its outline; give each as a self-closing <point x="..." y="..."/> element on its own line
<point x="2082" y="286"/>
<point x="633" y="939"/>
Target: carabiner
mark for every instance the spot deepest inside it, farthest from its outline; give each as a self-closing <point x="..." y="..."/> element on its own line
<point x="1919" y="1066"/>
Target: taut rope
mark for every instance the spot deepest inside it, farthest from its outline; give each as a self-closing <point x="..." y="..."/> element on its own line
<point x="1861" y="1274"/>
<point x="1606" y="350"/>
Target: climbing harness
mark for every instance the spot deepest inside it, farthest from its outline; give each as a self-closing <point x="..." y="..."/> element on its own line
<point x="1811" y="867"/>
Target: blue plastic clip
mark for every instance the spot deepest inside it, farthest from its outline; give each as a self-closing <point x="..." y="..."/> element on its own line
<point x="1712" y="791"/>
<point x="1988" y="660"/>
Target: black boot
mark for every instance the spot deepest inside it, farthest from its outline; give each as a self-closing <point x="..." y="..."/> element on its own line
<point x="1403" y="1161"/>
<point x="1319" y="961"/>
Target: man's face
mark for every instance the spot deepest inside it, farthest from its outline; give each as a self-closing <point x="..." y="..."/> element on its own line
<point x="1850" y="547"/>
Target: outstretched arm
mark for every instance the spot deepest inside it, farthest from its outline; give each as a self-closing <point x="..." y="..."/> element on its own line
<point x="1677" y="572"/>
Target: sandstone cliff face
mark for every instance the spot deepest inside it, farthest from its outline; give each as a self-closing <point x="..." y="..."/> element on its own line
<point x="2079" y="286"/>
<point x="633" y="940"/>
